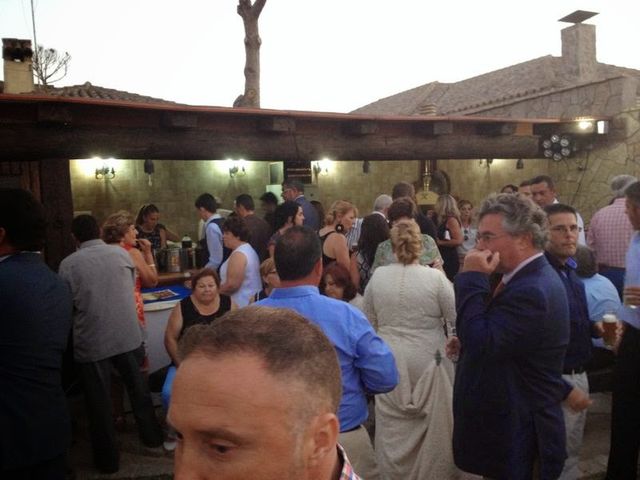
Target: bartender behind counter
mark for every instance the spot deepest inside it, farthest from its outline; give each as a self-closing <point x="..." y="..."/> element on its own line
<point x="149" y="228"/>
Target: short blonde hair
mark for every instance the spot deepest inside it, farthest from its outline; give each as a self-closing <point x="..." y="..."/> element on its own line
<point x="266" y="267"/>
<point x="339" y="207"/>
<point x="116" y="226"/>
<point x="406" y="241"/>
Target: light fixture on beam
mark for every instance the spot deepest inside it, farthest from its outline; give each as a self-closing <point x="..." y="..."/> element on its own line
<point x="602" y="127"/>
<point x="237" y="168"/>
<point x="586" y="126"/>
<point x="321" y="167"/>
<point x="106" y="171"/>
<point x="557" y="147"/>
<point x="149" y="169"/>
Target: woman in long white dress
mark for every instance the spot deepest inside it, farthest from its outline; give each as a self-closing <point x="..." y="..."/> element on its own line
<point x="409" y="304"/>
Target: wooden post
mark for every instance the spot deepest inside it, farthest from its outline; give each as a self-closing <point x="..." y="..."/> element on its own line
<point x="55" y="195"/>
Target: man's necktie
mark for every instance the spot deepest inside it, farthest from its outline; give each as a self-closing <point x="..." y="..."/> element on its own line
<point x="498" y="289"/>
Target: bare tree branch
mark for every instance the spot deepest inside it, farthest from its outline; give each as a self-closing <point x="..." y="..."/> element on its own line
<point x="49" y="65"/>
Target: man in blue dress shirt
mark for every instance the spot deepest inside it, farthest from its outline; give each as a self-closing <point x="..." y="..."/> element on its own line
<point x="366" y="361"/>
<point x="560" y="249"/>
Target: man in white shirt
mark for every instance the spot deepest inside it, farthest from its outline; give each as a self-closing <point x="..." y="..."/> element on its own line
<point x="211" y="243"/>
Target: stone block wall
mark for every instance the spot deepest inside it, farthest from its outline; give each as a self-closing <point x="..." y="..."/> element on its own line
<point x="606" y="97"/>
<point x="583" y="180"/>
<point x="473" y="180"/>
<point x="346" y="181"/>
<point x="176" y="184"/>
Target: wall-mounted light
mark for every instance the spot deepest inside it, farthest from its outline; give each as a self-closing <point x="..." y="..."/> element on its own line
<point x="321" y="167"/>
<point x="106" y="170"/>
<point x="557" y="147"/>
<point x="237" y="168"/>
<point x="149" y="169"/>
<point x="366" y="166"/>
<point x="602" y="127"/>
<point x="585" y="125"/>
<point x="519" y="164"/>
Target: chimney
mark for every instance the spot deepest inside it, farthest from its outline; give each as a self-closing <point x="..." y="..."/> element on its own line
<point x="18" y="71"/>
<point x="579" y="46"/>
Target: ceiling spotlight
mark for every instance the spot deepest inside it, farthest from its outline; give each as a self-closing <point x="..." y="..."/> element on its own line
<point x="557" y="147"/>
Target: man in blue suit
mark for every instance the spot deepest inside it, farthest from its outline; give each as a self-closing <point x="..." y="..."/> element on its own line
<point x="508" y="422"/>
<point x="294" y="190"/>
<point x="35" y="320"/>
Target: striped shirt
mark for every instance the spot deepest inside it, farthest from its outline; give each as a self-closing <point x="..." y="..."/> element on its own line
<point x="609" y="233"/>
<point x="347" y="472"/>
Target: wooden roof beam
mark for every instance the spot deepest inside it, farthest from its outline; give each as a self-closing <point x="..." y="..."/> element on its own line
<point x="29" y="142"/>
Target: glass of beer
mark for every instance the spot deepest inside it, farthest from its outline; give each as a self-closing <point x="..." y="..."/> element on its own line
<point x="610" y="324"/>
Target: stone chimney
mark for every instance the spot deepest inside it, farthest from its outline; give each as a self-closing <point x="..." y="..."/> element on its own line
<point x="579" y="46"/>
<point x="18" y="71"/>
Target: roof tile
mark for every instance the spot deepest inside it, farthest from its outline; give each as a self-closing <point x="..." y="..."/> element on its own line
<point x="541" y="75"/>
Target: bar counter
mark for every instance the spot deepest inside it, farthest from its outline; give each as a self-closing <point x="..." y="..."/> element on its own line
<point x="167" y="278"/>
<point x="157" y="311"/>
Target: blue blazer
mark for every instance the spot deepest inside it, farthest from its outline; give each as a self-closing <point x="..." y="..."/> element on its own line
<point x="35" y="321"/>
<point x="310" y="213"/>
<point x="508" y="385"/>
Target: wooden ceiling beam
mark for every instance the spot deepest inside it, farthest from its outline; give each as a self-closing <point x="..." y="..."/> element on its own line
<point x="32" y="142"/>
<point x="33" y="128"/>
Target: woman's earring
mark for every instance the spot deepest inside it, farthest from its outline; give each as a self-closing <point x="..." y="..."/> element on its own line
<point x="339" y="228"/>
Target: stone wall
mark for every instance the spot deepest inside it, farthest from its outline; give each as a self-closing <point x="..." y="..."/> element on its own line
<point x="176" y="184"/>
<point x="607" y="97"/>
<point x="583" y="180"/>
<point x="473" y="180"/>
<point x="346" y="181"/>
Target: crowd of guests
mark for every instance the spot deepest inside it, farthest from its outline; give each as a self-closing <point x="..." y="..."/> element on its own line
<point x="466" y="330"/>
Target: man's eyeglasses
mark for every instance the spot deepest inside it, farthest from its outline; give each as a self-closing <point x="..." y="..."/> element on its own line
<point x="488" y="237"/>
<point x="565" y="229"/>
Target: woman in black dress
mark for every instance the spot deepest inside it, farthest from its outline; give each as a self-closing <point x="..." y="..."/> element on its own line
<point x="449" y="233"/>
<point x="202" y="307"/>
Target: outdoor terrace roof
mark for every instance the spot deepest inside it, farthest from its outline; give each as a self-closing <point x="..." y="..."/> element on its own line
<point x="47" y="126"/>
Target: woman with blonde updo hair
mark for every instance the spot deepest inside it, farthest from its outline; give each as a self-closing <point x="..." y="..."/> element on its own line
<point x="409" y="305"/>
<point x="407" y="242"/>
<point x="337" y="222"/>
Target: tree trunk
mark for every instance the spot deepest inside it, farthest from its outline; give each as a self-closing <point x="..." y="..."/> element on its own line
<point x="250" y="14"/>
